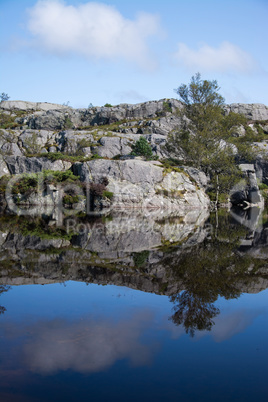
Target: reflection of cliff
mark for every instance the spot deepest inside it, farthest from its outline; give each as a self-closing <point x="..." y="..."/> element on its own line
<point x="152" y="253"/>
<point x="100" y="251"/>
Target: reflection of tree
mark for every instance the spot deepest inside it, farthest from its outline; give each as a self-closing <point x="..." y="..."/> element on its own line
<point x="2" y="310"/>
<point x="193" y="312"/>
<point x="207" y="271"/>
<point x="3" y="288"/>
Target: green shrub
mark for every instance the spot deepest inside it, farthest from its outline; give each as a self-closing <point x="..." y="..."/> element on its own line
<point x="142" y="148"/>
<point x="58" y="176"/>
<point x="32" y="145"/>
<point x="28" y="183"/>
<point x="70" y="199"/>
<point x="68" y="124"/>
<point x="167" y="107"/>
<point x="108" y="105"/>
<point x="96" y="156"/>
<point x="108" y="194"/>
<point x="263" y="186"/>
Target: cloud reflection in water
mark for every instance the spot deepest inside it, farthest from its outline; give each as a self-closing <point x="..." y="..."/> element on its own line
<point x="87" y="346"/>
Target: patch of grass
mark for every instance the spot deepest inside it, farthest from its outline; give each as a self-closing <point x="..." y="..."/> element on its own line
<point x="172" y="164"/>
<point x="54" y="156"/>
<point x="171" y="169"/>
<point x="171" y="193"/>
<point x="108" y="218"/>
<point x="108" y="194"/>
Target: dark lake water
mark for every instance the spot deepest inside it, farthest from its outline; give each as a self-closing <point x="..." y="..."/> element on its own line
<point x="132" y="307"/>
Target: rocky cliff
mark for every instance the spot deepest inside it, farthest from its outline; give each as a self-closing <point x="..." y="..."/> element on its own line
<point x="43" y="136"/>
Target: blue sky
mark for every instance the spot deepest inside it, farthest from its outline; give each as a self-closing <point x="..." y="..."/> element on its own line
<point x="119" y="51"/>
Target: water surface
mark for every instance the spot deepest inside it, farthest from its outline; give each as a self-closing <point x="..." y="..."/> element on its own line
<point x="134" y="307"/>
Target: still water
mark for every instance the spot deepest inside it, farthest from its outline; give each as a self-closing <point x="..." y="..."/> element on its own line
<point x="128" y="308"/>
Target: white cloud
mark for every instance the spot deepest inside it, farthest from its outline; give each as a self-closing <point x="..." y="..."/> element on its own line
<point x="226" y="58"/>
<point x="94" y="30"/>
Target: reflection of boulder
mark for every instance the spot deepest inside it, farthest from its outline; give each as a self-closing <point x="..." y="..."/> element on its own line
<point x="103" y="251"/>
<point x="247" y="192"/>
<point x="135" y="232"/>
<point x="247" y="217"/>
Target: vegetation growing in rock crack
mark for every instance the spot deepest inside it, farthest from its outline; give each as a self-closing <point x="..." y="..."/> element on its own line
<point x="98" y="191"/>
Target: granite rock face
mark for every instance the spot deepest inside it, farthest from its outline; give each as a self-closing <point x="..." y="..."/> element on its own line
<point x="113" y="146"/>
<point x="22" y="164"/>
<point x="255" y="111"/>
<point x="136" y="183"/>
<point x="3" y="167"/>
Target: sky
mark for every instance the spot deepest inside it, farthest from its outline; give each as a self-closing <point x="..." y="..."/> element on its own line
<point x="116" y="51"/>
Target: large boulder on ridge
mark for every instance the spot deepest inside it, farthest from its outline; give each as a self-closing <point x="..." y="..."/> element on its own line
<point x="141" y="184"/>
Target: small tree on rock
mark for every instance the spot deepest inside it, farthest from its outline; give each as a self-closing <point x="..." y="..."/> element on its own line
<point x="203" y="137"/>
<point x="4" y="97"/>
<point x="142" y="148"/>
